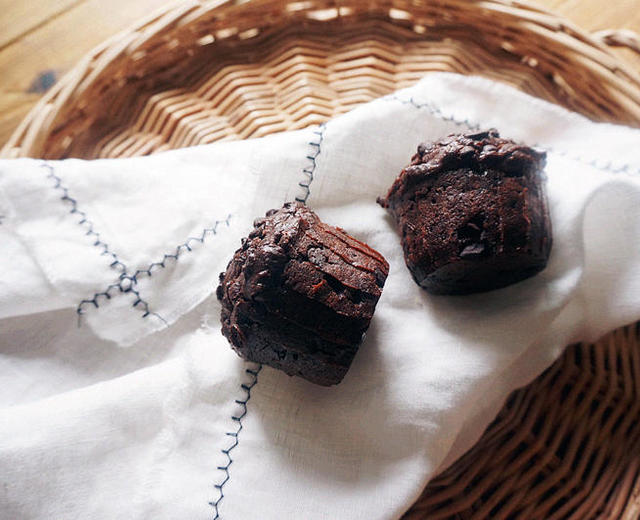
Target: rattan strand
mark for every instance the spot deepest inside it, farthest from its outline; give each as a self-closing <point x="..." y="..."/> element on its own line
<point x="565" y="447"/>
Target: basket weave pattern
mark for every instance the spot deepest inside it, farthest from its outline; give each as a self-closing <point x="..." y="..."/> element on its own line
<point x="566" y="446"/>
<point x="202" y="72"/>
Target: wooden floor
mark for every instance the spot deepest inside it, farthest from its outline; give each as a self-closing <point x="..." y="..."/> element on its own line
<point x="42" y="39"/>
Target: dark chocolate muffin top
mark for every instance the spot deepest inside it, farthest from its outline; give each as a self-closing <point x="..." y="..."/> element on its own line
<point x="477" y="151"/>
<point x="299" y="294"/>
<point x="291" y="237"/>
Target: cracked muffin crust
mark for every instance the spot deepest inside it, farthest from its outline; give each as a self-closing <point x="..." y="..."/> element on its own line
<point x="300" y="294"/>
<point x="472" y="213"/>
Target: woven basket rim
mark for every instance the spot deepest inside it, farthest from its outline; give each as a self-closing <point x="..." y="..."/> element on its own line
<point x="33" y="130"/>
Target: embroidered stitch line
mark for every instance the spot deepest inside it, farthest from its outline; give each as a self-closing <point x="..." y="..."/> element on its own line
<point x="309" y="171"/>
<point x="84" y="220"/>
<point x="85" y="223"/>
<point x="605" y="167"/>
<point x="313" y="156"/>
<point x="185" y="247"/>
<point x="435" y="111"/>
<point x="124" y="288"/>
<point x="234" y="435"/>
<point x="126" y="284"/>
<point x="129" y="283"/>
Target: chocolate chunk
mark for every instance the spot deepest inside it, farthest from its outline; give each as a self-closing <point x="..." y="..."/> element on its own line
<point x="300" y="294"/>
<point x="472" y="212"/>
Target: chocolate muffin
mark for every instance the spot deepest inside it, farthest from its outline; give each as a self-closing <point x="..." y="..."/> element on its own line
<point x="472" y="212"/>
<point x="300" y="294"/>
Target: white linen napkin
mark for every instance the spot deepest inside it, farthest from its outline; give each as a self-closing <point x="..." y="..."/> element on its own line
<point x="121" y="399"/>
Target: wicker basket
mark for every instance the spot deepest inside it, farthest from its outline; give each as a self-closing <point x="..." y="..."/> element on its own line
<point x="566" y="446"/>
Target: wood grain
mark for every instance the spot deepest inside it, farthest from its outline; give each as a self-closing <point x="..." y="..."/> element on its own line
<point x="40" y="40"/>
<point x="53" y="39"/>
<point x="21" y="18"/>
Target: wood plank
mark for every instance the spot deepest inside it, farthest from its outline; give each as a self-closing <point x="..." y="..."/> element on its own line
<point x="596" y="15"/>
<point x="19" y="18"/>
<point x="61" y="42"/>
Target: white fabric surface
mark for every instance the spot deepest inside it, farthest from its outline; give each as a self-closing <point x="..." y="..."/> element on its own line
<point x="124" y="414"/>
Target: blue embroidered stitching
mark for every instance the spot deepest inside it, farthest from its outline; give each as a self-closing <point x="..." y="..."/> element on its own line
<point x="434" y="110"/>
<point x="129" y="283"/>
<point x="126" y="283"/>
<point x="605" y="167"/>
<point x="116" y="264"/>
<point x="84" y="221"/>
<point x="125" y="289"/>
<point x="180" y="249"/>
<point x="310" y="170"/>
<point x="234" y="434"/>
